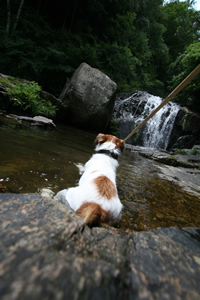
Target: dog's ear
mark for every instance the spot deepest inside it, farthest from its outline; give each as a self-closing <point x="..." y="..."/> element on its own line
<point x="120" y="144"/>
<point x="100" y="139"/>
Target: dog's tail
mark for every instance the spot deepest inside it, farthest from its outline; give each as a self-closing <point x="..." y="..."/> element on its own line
<point x="93" y="214"/>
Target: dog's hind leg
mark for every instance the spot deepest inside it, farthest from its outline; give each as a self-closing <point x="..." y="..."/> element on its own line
<point x="61" y="197"/>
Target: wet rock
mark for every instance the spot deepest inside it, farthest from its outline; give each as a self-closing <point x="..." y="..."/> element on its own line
<point x="197" y="147"/>
<point x="187" y="178"/>
<point x="43" y="121"/>
<point x="186" y="130"/>
<point x="37" y="121"/>
<point x="125" y="127"/>
<point x="47" y="252"/>
<point x="186" y="160"/>
<point x="4" y="98"/>
<point x="130" y="105"/>
<point x="3" y="188"/>
<point x="183" y="170"/>
<point x="159" y="155"/>
<point x="49" y="97"/>
<point x="89" y="98"/>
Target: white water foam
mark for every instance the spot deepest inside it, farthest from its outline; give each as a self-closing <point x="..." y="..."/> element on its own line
<point x="157" y="131"/>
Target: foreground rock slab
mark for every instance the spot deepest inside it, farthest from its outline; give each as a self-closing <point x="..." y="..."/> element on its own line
<point x="47" y="252"/>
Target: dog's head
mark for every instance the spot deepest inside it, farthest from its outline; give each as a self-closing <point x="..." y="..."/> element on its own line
<point x="110" y="142"/>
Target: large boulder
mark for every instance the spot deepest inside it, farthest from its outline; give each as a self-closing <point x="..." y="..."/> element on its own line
<point x="89" y="98"/>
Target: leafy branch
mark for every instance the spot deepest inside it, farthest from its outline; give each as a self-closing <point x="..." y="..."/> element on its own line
<point x="26" y="96"/>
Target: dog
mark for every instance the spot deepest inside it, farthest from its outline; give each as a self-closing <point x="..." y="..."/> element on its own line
<point x="95" y="199"/>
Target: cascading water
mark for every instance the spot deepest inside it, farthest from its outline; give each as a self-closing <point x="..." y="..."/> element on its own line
<point x="157" y="131"/>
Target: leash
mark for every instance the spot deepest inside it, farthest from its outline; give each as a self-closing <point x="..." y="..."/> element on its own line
<point x="191" y="76"/>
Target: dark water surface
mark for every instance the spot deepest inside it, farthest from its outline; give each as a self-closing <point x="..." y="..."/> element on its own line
<point x="32" y="159"/>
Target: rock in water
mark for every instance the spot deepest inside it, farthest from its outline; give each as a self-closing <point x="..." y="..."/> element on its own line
<point x="89" y="98"/>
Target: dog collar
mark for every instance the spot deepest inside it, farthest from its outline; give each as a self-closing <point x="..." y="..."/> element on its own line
<point x="109" y="153"/>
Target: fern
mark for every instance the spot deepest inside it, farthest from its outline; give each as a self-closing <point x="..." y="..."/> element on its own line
<point x="26" y="96"/>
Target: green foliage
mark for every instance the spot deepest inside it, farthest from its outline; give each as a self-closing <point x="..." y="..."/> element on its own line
<point x="27" y="59"/>
<point x="114" y="127"/>
<point x="182" y="25"/>
<point x="194" y="151"/>
<point x="133" y="42"/>
<point x="181" y="152"/>
<point x="26" y="97"/>
<point x="181" y="68"/>
<point x="122" y="51"/>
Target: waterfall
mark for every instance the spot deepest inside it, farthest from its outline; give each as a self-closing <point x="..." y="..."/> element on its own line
<point x="157" y="131"/>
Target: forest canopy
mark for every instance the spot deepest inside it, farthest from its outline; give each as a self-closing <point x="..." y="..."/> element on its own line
<point x="147" y="45"/>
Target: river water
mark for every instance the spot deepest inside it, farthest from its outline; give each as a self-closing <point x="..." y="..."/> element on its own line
<point x="32" y="159"/>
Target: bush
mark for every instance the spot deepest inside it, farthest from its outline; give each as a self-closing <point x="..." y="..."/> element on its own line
<point x="25" y="96"/>
<point x="181" y="68"/>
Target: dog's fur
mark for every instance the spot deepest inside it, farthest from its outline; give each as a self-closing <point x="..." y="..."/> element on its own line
<point x="95" y="199"/>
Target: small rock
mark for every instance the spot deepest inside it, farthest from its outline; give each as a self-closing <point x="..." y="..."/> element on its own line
<point x="46" y="193"/>
<point x="159" y="216"/>
<point x="44" y="120"/>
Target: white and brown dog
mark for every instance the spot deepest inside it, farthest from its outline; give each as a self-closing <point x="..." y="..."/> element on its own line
<point x="95" y="199"/>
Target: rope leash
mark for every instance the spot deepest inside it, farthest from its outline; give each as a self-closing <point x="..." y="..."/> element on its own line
<point x="191" y="76"/>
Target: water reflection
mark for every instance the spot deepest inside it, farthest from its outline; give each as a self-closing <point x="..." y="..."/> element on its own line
<point x="31" y="159"/>
<point x="151" y="202"/>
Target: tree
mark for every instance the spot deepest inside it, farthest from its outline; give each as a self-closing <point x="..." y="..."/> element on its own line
<point x="16" y="18"/>
<point x="182" y="67"/>
<point x="8" y="17"/>
<point x="132" y="41"/>
<point x="182" y="25"/>
<point x="18" y="14"/>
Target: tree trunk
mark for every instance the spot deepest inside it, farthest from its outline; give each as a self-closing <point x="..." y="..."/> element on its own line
<point x="18" y="15"/>
<point x="8" y="17"/>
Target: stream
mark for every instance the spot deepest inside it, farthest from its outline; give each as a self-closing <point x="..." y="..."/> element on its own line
<point x="32" y="159"/>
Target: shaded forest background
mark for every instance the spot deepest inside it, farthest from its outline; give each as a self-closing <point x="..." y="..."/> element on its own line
<point x="141" y="44"/>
